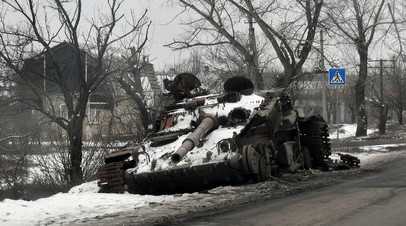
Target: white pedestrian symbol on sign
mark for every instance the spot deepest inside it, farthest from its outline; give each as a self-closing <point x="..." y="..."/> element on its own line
<point x="337" y="78"/>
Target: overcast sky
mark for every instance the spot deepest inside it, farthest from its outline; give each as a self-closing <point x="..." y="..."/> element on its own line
<point x="165" y="26"/>
<point x="163" y="30"/>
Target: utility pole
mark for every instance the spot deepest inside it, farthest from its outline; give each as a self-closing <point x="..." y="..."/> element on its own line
<point x="253" y="63"/>
<point x="324" y="78"/>
<point x="399" y="79"/>
<point x="383" y="107"/>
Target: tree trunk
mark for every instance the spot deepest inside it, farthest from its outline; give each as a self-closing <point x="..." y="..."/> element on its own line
<point x="289" y="74"/>
<point x="255" y="75"/>
<point x="383" y="113"/>
<point x="75" y="149"/>
<point x="253" y="63"/>
<point x="400" y="117"/>
<point x="353" y="114"/>
<point x="361" y="114"/>
<point x="75" y="135"/>
<point x="400" y="106"/>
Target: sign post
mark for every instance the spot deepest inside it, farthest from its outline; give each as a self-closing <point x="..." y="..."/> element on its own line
<point x="337" y="78"/>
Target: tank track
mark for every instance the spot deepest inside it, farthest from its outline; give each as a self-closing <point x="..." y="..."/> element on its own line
<point x="111" y="177"/>
<point x="326" y="141"/>
<point x="315" y="135"/>
<point x="351" y="161"/>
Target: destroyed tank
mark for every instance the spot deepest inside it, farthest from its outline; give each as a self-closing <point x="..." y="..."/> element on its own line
<point x="203" y="141"/>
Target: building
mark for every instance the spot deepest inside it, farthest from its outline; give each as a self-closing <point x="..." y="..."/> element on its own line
<point x="308" y="96"/>
<point x="106" y="105"/>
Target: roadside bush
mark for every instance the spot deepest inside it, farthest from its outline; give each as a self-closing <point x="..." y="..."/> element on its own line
<point x="42" y="168"/>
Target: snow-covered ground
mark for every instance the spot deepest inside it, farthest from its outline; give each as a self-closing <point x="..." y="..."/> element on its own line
<point x="346" y="130"/>
<point x="367" y="153"/>
<point x="79" y="203"/>
<point x="83" y="202"/>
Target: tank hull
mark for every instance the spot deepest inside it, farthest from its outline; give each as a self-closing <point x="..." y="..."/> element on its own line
<point x="220" y="139"/>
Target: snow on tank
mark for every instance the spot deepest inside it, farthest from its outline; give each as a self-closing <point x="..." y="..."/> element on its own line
<point x="206" y="151"/>
<point x="205" y="140"/>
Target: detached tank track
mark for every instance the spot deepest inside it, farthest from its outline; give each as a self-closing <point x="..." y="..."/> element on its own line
<point x="315" y="135"/>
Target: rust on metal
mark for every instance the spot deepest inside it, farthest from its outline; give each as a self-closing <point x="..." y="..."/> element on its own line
<point x="182" y="85"/>
<point x="111" y="177"/>
<point x="121" y="155"/>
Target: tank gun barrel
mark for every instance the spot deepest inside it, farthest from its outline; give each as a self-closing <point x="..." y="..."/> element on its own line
<point x="208" y="123"/>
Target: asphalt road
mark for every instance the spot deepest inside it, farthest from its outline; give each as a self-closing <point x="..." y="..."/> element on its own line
<point x="374" y="200"/>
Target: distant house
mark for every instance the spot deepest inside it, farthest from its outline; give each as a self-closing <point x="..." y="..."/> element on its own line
<point x="41" y="76"/>
<point x="111" y="112"/>
<point x="308" y="96"/>
<point x="150" y="84"/>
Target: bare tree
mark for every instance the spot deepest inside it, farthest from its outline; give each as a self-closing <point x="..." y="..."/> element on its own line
<point x="291" y="34"/>
<point x="216" y="24"/>
<point x="379" y="90"/>
<point x="358" y="20"/>
<point x="291" y="37"/>
<point x="398" y="17"/>
<point x="131" y="82"/>
<point x="397" y="78"/>
<point x="397" y="91"/>
<point x="91" y="39"/>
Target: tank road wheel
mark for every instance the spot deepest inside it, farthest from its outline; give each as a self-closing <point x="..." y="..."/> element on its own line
<point x="244" y="159"/>
<point x="264" y="163"/>
<point x="252" y="159"/>
<point x="262" y="169"/>
<point x="254" y="162"/>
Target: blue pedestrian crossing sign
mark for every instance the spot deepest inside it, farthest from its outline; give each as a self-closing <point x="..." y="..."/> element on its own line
<point x="337" y="76"/>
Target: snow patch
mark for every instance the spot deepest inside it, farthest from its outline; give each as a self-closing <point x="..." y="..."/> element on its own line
<point x="347" y="130"/>
<point x="81" y="202"/>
